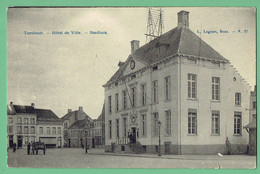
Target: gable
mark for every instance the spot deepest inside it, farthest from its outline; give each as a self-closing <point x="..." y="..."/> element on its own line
<point x="132" y="65"/>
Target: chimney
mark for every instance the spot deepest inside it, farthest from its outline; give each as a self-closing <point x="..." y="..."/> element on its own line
<point x="121" y="63"/>
<point x="183" y="19"/>
<point x="134" y="45"/>
<point x="80" y="108"/>
<point x="32" y="105"/>
<point x="69" y="110"/>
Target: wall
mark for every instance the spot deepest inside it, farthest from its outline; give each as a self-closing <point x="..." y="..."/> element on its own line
<point x="204" y="141"/>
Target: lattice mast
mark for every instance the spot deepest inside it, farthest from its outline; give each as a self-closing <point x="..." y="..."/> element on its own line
<point x="155" y="25"/>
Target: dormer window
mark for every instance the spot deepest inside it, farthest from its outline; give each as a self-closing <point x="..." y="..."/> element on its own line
<point x="155" y="68"/>
<point x="133" y="76"/>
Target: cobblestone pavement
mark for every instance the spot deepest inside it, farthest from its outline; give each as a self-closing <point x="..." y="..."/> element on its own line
<point x="97" y="158"/>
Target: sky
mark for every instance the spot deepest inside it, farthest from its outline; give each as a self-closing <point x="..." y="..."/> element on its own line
<point x="61" y="72"/>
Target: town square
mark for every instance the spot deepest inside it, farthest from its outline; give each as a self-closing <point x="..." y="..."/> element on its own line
<point x="131" y="88"/>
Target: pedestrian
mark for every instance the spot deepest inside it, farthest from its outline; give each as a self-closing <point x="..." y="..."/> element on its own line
<point x="28" y="148"/>
<point x="228" y="146"/>
<point x="14" y="147"/>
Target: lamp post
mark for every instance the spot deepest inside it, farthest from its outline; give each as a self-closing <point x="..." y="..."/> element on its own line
<point x="159" y="147"/>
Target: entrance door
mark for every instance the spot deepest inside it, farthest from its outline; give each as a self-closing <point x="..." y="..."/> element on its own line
<point x="11" y="141"/>
<point x="20" y="141"/>
<point x="134" y="134"/>
<point x="93" y="142"/>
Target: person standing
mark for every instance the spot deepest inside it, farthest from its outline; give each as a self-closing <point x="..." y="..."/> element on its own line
<point x="28" y="148"/>
<point x="228" y="147"/>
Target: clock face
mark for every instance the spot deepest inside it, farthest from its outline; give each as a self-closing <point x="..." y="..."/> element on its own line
<point x="132" y="64"/>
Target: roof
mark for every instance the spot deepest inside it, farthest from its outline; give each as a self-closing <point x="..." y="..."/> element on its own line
<point x="251" y="125"/>
<point x="78" y="124"/>
<point x="179" y="40"/>
<point x="23" y="109"/>
<point x="42" y="114"/>
<point x="46" y="114"/>
<point x="73" y="113"/>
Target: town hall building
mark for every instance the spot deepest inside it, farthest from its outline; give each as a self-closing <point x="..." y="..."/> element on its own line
<point x="178" y="90"/>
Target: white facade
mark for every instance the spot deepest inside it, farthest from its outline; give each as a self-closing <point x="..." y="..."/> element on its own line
<point x="200" y="101"/>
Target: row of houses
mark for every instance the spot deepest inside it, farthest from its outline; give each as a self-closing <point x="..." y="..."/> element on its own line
<point x="27" y="124"/>
<point x="81" y="130"/>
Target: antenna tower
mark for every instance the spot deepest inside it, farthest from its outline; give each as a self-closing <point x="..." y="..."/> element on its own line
<point x="155" y="25"/>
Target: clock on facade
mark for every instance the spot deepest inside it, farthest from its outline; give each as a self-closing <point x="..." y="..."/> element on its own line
<point x="132" y="64"/>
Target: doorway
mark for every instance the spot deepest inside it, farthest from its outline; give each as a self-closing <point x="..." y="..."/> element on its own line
<point x="133" y="134"/>
<point x="11" y="141"/>
<point x="20" y="141"/>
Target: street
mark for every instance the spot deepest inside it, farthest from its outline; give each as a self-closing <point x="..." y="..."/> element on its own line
<point x="96" y="158"/>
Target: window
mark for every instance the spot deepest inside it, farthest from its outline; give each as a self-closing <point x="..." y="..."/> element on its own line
<point x="237" y="123"/>
<point x="168" y="122"/>
<point x="117" y="106"/>
<point x="125" y="126"/>
<point x="143" y="121"/>
<point x="19" y="129"/>
<point x="215" y="88"/>
<point x="155" y="124"/>
<point x="19" y="120"/>
<point x="48" y="130"/>
<point x="254" y="104"/>
<point x="54" y="130"/>
<point x="133" y="90"/>
<point x="192" y="86"/>
<point x="155" y="68"/>
<point x="26" y="129"/>
<point x="167" y="88"/>
<point x="10" y="129"/>
<point x="26" y="140"/>
<point x="133" y="77"/>
<point x="110" y="128"/>
<point x="215" y="123"/>
<point x="25" y="120"/>
<point x="59" y="130"/>
<point x="65" y="125"/>
<point x="124" y="100"/>
<point x="238" y="99"/>
<point x="41" y="130"/>
<point x="155" y="91"/>
<point x="32" y="139"/>
<point x="10" y="120"/>
<point x="117" y="128"/>
<point x="109" y="104"/>
<point x="143" y="89"/>
<point x="32" y="120"/>
<point x="32" y="130"/>
<point x="192" y="122"/>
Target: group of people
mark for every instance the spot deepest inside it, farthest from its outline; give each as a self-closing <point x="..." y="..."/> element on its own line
<point x="28" y="148"/>
<point x="132" y="137"/>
